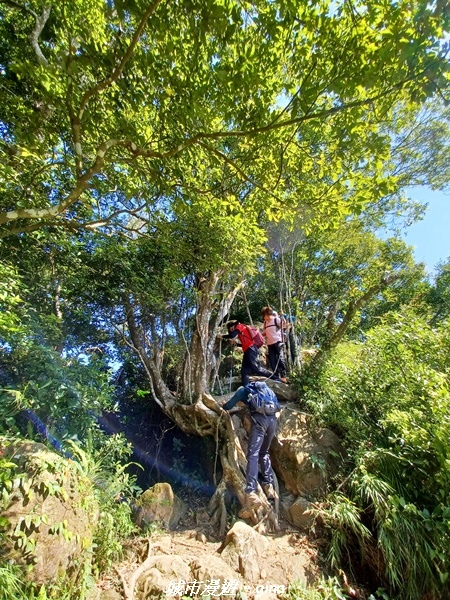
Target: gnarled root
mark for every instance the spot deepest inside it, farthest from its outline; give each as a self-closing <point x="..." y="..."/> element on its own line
<point x="217" y="508"/>
<point x="128" y="588"/>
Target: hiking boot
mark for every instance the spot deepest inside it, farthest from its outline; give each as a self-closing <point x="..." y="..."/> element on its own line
<point x="252" y="502"/>
<point x="269" y="491"/>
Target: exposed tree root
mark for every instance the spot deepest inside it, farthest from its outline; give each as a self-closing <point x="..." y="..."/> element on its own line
<point x="128" y="588"/>
<point x="217" y="508"/>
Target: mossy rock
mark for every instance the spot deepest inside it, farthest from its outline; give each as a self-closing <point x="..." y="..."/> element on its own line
<point x="48" y="513"/>
<point x="159" y="504"/>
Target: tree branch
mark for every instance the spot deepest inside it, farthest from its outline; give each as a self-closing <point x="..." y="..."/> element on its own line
<point x="75" y="119"/>
<point x="81" y="185"/>
<point x="33" y="38"/>
<point x="136" y="151"/>
<point x="120" y="67"/>
<point x="238" y="169"/>
<point x="39" y="24"/>
<point x="354" y="306"/>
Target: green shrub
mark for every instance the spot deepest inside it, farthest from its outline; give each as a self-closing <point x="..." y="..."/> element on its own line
<point x="115" y="490"/>
<point x="325" y="589"/>
<point x="389" y="399"/>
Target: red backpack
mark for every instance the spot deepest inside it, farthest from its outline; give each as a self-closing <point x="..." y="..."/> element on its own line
<point x="256" y="336"/>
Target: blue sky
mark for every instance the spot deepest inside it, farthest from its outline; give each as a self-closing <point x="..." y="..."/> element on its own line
<point x="431" y="236"/>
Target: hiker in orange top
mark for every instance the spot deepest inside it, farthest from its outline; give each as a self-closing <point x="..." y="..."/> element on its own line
<point x="250" y="365"/>
<point x="273" y="332"/>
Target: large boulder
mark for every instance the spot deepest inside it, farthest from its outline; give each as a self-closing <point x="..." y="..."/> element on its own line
<point x="159" y="504"/>
<point x="244" y="549"/>
<point x="212" y="568"/>
<point x="283" y="391"/>
<point x="299" y="511"/>
<point x="165" y="571"/>
<point x="176" y="575"/>
<point x="303" y="455"/>
<point x="49" y="511"/>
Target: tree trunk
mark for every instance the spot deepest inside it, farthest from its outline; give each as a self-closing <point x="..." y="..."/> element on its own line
<point x="214" y="300"/>
<point x="353" y="307"/>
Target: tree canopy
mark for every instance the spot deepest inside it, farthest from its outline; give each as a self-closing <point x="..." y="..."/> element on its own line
<point x="113" y="110"/>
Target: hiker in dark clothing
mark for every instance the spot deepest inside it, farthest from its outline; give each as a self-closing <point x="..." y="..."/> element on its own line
<point x="262" y="432"/>
<point x="250" y="365"/>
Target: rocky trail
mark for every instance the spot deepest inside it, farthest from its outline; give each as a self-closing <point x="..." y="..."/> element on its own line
<point x="190" y="562"/>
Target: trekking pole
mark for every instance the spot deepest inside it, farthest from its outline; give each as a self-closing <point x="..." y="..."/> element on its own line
<point x="216" y="375"/>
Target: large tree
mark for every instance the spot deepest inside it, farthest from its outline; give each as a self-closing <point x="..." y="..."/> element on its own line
<point x="203" y="121"/>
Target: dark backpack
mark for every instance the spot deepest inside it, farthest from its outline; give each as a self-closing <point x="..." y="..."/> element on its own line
<point x="255" y="335"/>
<point x="262" y="399"/>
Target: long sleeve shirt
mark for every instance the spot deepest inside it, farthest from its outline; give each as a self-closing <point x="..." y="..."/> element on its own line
<point x="241" y="395"/>
<point x="243" y="334"/>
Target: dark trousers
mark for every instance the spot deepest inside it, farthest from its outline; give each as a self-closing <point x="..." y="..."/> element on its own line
<point x="261" y="435"/>
<point x="250" y="366"/>
<point x="276" y="359"/>
<point x="291" y="344"/>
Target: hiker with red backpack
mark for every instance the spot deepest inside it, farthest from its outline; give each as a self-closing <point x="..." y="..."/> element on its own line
<point x="249" y="341"/>
<point x="273" y="332"/>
